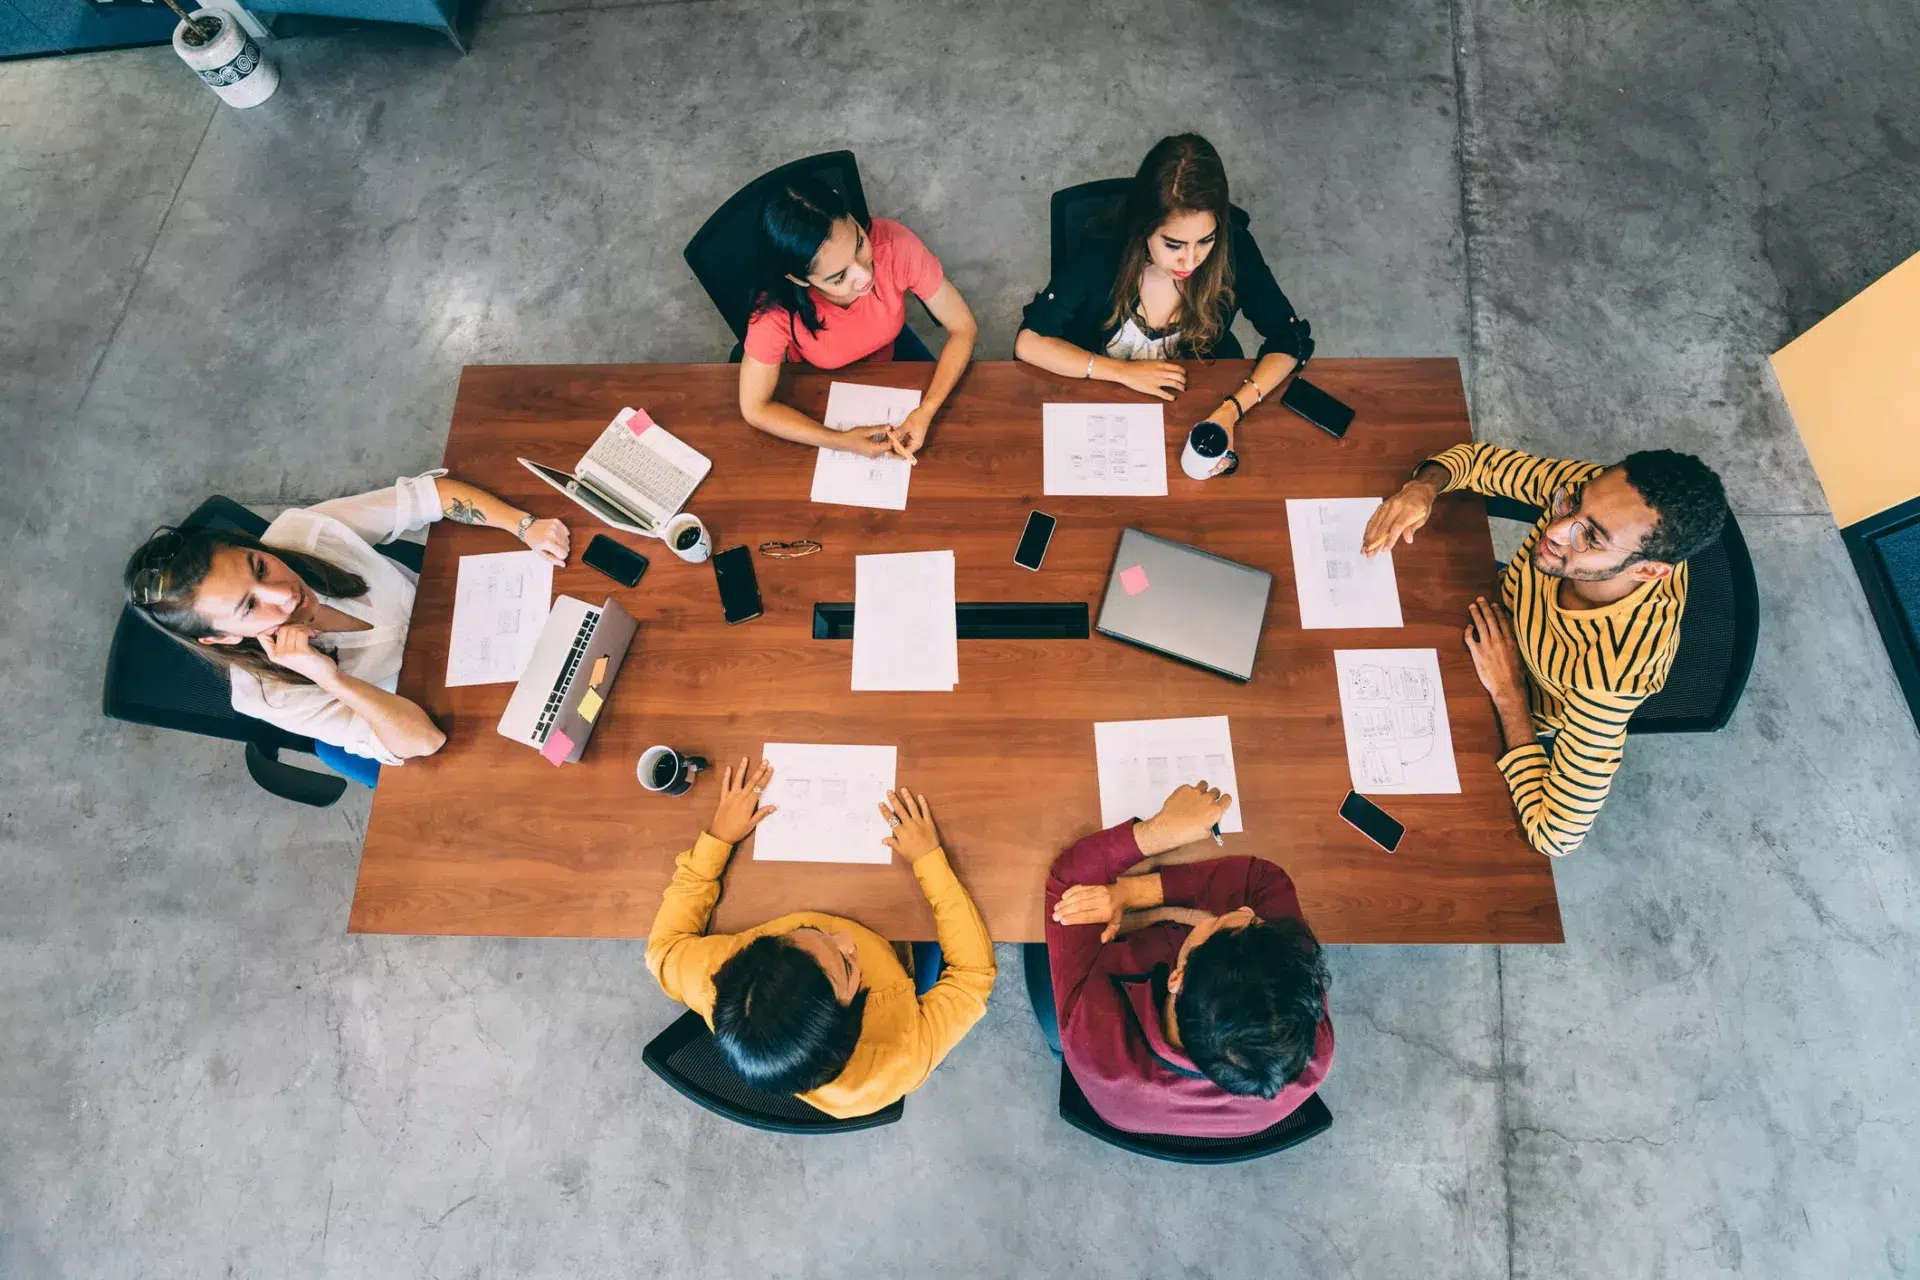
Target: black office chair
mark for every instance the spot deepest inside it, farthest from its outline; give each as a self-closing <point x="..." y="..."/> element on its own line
<point x="152" y="679"/>
<point x="723" y="252"/>
<point x="686" y="1057"/>
<point x="1309" y="1120"/>
<point x="1718" y="634"/>
<point x="1093" y="211"/>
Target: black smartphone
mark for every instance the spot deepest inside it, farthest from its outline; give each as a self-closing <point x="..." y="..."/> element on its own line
<point x="623" y="564"/>
<point x="1371" y="821"/>
<point x="1033" y="543"/>
<point x="1317" y="407"/>
<point x="739" y="588"/>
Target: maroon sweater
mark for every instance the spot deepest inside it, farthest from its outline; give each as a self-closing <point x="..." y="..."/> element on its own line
<point x="1109" y="997"/>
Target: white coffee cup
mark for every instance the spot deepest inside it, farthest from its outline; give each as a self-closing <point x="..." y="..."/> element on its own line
<point x="698" y="549"/>
<point x="1206" y="446"/>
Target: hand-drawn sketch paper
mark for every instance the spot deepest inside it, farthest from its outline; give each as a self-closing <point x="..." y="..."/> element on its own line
<point x="1140" y="762"/>
<point x="1398" y="739"/>
<point x="1104" y="448"/>
<point x="1337" y="586"/>
<point x="829" y="803"/>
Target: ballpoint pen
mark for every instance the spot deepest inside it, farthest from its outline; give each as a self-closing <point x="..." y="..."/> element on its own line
<point x="1216" y="835"/>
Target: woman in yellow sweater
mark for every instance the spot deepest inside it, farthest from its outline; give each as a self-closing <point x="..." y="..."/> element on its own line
<point x="817" y="1005"/>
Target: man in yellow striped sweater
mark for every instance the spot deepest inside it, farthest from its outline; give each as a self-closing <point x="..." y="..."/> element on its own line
<point x="1591" y="616"/>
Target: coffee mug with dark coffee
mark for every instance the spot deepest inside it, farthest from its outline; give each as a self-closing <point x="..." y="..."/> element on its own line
<point x="1206" y="446"/>
<point x="667" y="771"/>
<point x="687" y="538"/>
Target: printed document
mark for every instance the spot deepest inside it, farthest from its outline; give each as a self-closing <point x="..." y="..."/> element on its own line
<point x="1395" y="712"/>
<point x="1339" y="587"/>
<point x="500" y="602"/>
<point x="1105" y="449"/>
<point x="1142" y="761"/>
<point x="849" y="479"/>
<point x="904" y="631"/>
<point x="829" y="803"/>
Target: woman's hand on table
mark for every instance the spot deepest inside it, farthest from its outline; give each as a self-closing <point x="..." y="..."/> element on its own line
<point x="740" y="810"/>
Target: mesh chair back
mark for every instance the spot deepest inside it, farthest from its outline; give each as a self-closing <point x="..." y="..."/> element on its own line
<point x="686" y="1057"/>
<point x="724" y="251"/>
<point x="1308" y="1120"/>
<point x="154" y="679"/>
<point x="1718" y="634"/>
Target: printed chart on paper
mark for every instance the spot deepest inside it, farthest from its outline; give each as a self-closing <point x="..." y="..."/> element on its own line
<point x="829" y="799"/>
<point x="1141" y="761"/>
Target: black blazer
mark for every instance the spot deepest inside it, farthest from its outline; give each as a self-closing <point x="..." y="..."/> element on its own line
<point x="1075" y="304"/>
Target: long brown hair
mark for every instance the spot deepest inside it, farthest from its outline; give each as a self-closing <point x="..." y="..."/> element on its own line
<point x="1182" y="174"/>
<point x="164" y="576"/>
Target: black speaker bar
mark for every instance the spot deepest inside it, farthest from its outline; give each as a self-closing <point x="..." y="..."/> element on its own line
<point x="979" y="620"/>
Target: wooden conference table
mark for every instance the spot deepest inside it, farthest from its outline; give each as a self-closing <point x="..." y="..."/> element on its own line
<point x="488" y="838"/>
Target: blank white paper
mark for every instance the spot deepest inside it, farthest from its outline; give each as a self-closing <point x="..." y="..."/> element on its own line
<point x="829" y="803"/>
<point x="500" y="602"/>
<point x="1104" y="449"/>
<point x="1142" y="761"/>
<point x="904" y="630"/>
<point x="849" y="479"/>
<point x="1395" y="712"/>
<point x="1339" y="587"/>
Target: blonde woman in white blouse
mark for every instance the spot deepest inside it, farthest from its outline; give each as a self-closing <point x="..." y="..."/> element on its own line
<point x="308" y="619"/>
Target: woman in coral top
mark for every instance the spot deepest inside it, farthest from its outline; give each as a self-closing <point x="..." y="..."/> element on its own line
<point x="833" y="291"/>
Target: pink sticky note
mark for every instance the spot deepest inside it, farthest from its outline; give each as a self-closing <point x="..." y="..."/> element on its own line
<point x="640" y="423"/>
<point x="556" y="747"/>
<point x="1134" y="580"/>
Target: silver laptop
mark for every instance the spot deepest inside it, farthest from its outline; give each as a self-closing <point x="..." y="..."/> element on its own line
<point x="635" y="477"/>
<point x="1185" y="603"/>
<point x="576" y="637"/>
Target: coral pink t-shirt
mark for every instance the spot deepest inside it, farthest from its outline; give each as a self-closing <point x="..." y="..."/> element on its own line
<point x="865" y="330"/>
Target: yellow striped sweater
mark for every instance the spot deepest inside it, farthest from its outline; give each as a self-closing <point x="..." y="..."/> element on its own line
<point x="1590" y="668"/>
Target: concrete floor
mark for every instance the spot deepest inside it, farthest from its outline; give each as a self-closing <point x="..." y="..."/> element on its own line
<point x="1612" y="212"/>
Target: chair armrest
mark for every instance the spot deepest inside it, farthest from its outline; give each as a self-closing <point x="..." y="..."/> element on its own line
<point x="302" y="786"/>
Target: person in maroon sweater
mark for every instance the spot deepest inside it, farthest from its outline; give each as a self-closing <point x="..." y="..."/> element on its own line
<point x="1191" y="996"/>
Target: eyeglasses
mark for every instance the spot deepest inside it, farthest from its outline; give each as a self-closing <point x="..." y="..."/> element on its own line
<point x="1580" y="535"/>
<point x="149" y="584"/>
<point x="789" y="550"/>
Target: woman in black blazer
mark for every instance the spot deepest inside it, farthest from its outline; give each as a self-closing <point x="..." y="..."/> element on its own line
<point x="1124" y="310"/>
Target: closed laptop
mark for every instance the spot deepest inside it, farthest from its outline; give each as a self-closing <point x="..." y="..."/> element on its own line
<point x="1185" y="603"/>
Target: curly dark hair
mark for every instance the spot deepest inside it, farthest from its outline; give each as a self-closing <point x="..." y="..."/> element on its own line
<point x="1685" y="494"/>
<point x="777" y="1021"/>
<point x="1250" y="1007"/>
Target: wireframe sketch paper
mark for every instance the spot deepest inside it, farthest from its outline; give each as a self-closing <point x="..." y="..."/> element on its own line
<point x="829" y="803"/>
<point x="905" y="633"/>
<point x="848" y="479"/>
<point x="1142" y="761"/>
<point x="1337" y="586"/>
<point x="1398" y="739"/>
<point x="1104" y="449"/>
<point x="500" y="602"/>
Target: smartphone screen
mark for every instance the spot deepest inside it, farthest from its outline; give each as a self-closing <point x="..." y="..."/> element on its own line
<point x="739" y="588"/>
<point x="623" y="564"/>
<point x="1033" y="543"/>
<point x="1371" y="821"/>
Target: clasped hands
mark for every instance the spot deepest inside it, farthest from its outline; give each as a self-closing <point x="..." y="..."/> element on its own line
<point x="1189" y="815"/>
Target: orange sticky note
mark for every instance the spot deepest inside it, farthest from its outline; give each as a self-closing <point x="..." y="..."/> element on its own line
<point x="640" y="423"/>
<point x="557" y="747"/>
<point x="1134" y="580"/>
<point x="590" y="703"/>
<point x="599" y="670"/>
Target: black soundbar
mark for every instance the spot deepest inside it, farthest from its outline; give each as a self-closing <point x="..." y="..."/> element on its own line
<point x="976" y="620"/>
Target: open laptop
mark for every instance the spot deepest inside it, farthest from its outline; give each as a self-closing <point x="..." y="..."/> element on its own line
<point x="635" y="477"/>
<point x="576" y="636"/>
<point x="1185" y="603"/>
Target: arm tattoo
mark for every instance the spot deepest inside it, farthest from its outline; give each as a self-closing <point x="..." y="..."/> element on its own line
<point x="465" y="512"/>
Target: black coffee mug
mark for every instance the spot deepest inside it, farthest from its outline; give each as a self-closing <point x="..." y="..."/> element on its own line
<point x="666" y="771"/>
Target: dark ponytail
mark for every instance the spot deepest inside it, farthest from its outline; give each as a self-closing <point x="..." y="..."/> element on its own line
<point x="795" y="221"/>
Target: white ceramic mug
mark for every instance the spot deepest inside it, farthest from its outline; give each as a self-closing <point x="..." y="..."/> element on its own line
<point x="1206" y="445"/>
<point x="676" y="533"/>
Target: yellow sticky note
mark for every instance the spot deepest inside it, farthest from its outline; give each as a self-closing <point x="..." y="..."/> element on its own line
<point x="590" y="703"/>
<point x="599" y="671"/>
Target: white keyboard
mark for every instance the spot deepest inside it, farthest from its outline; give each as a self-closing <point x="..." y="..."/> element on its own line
<point x="634" y="463"/>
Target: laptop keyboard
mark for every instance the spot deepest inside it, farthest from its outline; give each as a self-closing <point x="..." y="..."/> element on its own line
<point x="551" y="711"/>
<point x="645" y="471"/>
